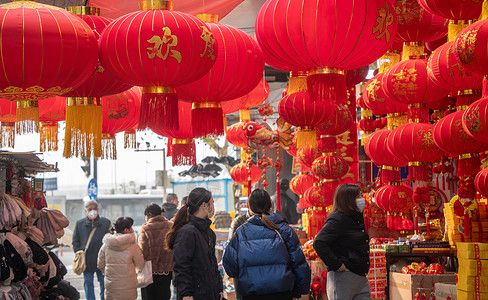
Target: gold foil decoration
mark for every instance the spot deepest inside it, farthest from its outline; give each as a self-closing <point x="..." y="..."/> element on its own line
<point x="84" y="10"/>
<point x="389" y="59"/>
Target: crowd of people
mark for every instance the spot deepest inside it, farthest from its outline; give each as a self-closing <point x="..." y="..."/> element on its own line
<point x="264" y="255"/>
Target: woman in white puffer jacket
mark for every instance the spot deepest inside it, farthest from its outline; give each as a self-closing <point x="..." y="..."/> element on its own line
<point x="119" y="259"/>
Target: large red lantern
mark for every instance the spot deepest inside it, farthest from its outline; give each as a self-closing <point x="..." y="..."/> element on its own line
<point x="376" y="99"/>
<point x="450" y="136"/>
<point x="45" y="51"/>
<point x="414" y="143"/>
<point x="394" y="199"/>
<point x="299" y="110"/>
<point x="259" y="94"/>
<point x="340" y="122"/>
<point x="471" y="47"/>
<point x="481" y="182"/>
<point x="8" y="110"/>
<point x="51" y="111"/>
<point x="300" y="184"/>
<point x="319" y="196"/>
<point x="415" y="24"/>
<point x="453" y="9"/>
<point x="120" y="113"/>
<point x="330" y="167"/>
<point x="303" y="36"/>
<point x="238" y="69"/>
<point x="475" y="120"/>
<point x="307" y="155"/>
<point x="240" y="174"/>
<point x="158" y="49"/>
<point x="448" y="73"/>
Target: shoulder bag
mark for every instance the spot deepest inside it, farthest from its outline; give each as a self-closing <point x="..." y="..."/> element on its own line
<point x="79" y="265"/>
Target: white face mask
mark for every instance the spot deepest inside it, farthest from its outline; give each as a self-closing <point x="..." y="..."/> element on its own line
<point x="92" y="214"/>
<point x="361" y="203"/>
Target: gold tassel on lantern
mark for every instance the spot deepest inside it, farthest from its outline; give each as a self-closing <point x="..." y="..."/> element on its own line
<point x="244" y="114"/>
<point x="387" y="60"/>
<point x="83" y="134"/>
<point x="27" y="117"/>
<point x="7" y="134"/>
<point x="49" y="136"/>
<point x="455" y="27"/>
<point x="130" y="139"/>
<point x="297" y="82"/>
<point x="109" y="149"/>
<point x="412" y="49"/>
<point x="306" y="137"/>
<point x="484" y="11"/>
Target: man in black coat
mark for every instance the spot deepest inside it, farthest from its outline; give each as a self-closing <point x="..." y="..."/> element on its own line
<point x="170" y="207"/>
<point x="81" y="233"/>
<point x="288" y="203"/>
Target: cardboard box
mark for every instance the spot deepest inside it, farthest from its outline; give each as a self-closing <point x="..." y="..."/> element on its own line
<point x="404" y="286"/>
<point x="473" y="267"/>
<point x="473" y="283"/>
<point x="472" y="250"/>
<point x="463" y="295"/>
<point x="445" y="290"/>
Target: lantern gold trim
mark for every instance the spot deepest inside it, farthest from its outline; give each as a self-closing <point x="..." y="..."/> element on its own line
<point x="156" y="4"/>
<point x="206" y="105"/>
<point x="84" y="10"/>
<point x="208" y="18"/>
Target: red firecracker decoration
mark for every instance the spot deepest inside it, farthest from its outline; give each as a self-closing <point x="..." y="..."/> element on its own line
<point x="157" y="48"/>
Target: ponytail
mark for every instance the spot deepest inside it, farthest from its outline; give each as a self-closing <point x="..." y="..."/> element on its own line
<point x="267" y="222"/>
<point x="260" y="204"/>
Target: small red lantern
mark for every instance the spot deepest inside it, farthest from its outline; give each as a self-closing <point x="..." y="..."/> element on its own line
<point x="300" y="184"/>
<point x="259" y="94"/>
<point x="394" y="199"/>
<point x="240" y="172"/>
<point x="453" y="9"/>
<point x="237" y="70"/>
<point x="340" y="122"/>
<point x="450" y="136"/>
<point x="8" y="111"/>
<point x="45" y="51"/>
<point x="448" y="73"/>
<point x="481" y="182"/>
<point x="319" y="196"/>
<point x="471" y="47"/>
<point x="158" y="49"/>
<point x="51" y="111"/>
<point x="299" y="110"/>
<point x="331" y="167"/>
<point x="307" y="155"/>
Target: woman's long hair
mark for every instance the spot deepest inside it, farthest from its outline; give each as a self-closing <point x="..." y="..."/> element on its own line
<point x="260" y="204"/>
<point x="345" y="198"/>
<point x="195" y="199"/>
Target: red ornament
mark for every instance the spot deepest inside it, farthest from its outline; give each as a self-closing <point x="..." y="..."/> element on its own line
<point x="446" y="72"/>
<point x="340" y="122"/>
<point x="471" y="47"/>
<point x="236" y="135"/>
<point x="51" y="111"/>
<point x="394" y="199"/>
<point x="376" y="147"/>
<point x="475" y="120"/>
<point x="300" y="184"/>
<point x="453" y="9"/>
<point x="239" y="173"/>
<point x="303" y="36"/>
<point x="330" y="167"/>
<point x="356" y="76"/>
<point x="259" y="94"/>
<point x="8" y="111"/>
<point x="236" y="72"/>
<point x="415" y="24"/>
<point x="319" y="196"/>
<point x="45" y="51"/>
<point x="307" y="155"/>
<point x="298" y="109"/>
<point x="375" y="98"/>
<point x="158" y="49"/>
<point x="481" y="182"/>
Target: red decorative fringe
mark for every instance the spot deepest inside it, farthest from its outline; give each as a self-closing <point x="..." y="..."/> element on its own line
<point x="327" y="87"/>
<point x="468" y="99"/>
<point x="159" y="111"/>
<point x="418" y="114"/>
<point x="394" y="221"/>
<point x="109" y="149"/>
<point x="184" y="154"/>
<point x="327" y="143"/>
<point x="207" y="121"/>
<point x="170" y="148"/>
<point x="278" y="195"/>
<point x="468" y="166"/>
<point x="418" y="173"/>
<point x="302" y="203"/>
<point x="389" y="175"/>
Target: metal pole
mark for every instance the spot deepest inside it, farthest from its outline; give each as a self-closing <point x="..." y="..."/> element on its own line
<point x="95" y="169"/>
<point x="165" y="175"/>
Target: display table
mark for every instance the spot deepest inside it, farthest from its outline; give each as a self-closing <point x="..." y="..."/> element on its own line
<point x="397" y="256"/>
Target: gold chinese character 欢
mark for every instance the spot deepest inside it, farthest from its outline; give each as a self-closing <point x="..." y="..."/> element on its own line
<point x="169" y="40"/>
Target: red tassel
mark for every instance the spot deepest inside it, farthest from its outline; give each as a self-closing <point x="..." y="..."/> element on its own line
<point x="170" y="148"/>
<point x="468" y="166"/>
<point x="278" y="195"/>
<point x="443" y="182"/>
<point x="418" y="173"/>
<point x="249" y="184"/>
<point x="183" y="153"/>
<point x="389" y="221"/>
<point x="207" y="120"/>
<point x="397" y="222"/>
<point x="159" y="110"/>
<point x="467" y="225"/>
<point x="302" y="204"/>
<point x="389" y="174"/>
<point x="329" y="87"/>
<point x="427" y="222"/>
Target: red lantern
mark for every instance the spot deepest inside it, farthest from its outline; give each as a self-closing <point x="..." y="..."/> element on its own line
<point x="431" y="46"/>
<point x="158" y="49"/>
<point x="236" y="72"/>
<point x="394" y="199"/>
<point x="330" y="167"/>
<point x="298" y="110"/>
<point x="300" y="184"/>
<point x="120" y="112"/>
<point x="340" y="122"/>
<point x="475" y="120"/>
<point x="415" y="24"/>
<point x="414" y="143"/>
<point x="307" y="155"/>
<point x="376" y="99"/>
<point x="240" y="172"/>
<point x="45" y="51"/>
<point x="453" y="9"/>
<point x="471" y="47"/>
<point x="183" y="146"/>
<point x="448" y="73"/>
<point x="51" y="111"/>
<point x="356" y="76"/>
<point x="303" y="36"/>
<point x="450" y="136"/>
<point x="319" y="196"/>
<point x="259" y="94"/>
<point x="481" y="182"/>
<point x="8" y="110"/>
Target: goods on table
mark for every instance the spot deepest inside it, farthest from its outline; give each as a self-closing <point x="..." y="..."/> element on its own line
<point x="377" y="273"/>
<point x="473" y="271"/>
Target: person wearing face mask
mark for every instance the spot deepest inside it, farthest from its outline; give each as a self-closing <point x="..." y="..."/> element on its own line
<point x="119" y="259"/>
<point x="343" y="245"/>
<point x="193" y="244"/>
<point x="83" y="229"/>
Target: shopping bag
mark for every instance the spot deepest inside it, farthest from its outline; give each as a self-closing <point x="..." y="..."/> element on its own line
<point x="144" y="276"/>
